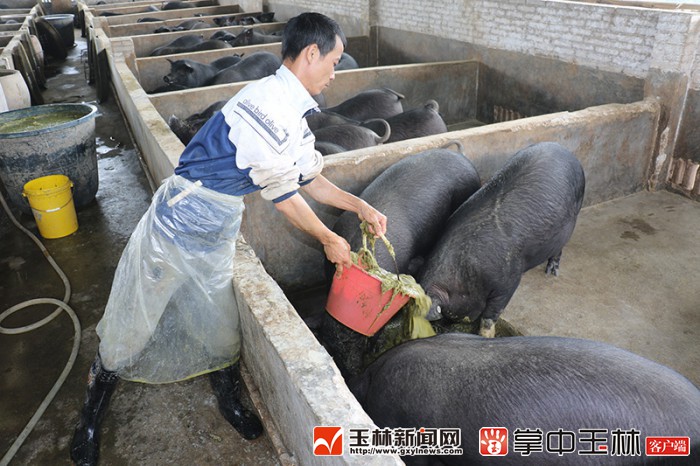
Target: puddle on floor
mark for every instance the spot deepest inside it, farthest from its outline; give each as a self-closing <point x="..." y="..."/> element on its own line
<point x="107" y="147"/>
<point x="68" y="70"/>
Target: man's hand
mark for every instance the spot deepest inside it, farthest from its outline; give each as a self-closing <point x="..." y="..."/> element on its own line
<point x="337" y="251"/>
<point x="375" y="219"/>
<point x="320" y="189"/>
<point x="300" y="215"/>
<point x="326" y="192"/>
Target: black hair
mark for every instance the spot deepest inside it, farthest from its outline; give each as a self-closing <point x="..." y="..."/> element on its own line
<point x="310" y="28"/>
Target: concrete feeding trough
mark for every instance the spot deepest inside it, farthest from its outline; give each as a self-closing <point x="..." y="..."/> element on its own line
<point x="143" y="28"/>
<point x="10" y="27"/>
<point x="144" y="45"/>
<point x="4" y="40"/>
<point x="452" y="84"/>
<point x="121" y="21"/>
<point x="141" y="5"/>
<point x="150" y="70"/>
<point x="125" y="8"/>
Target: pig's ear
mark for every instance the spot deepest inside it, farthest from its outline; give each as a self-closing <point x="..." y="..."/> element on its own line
<point x="171" y="62"/>
<point x="188" y="67"/>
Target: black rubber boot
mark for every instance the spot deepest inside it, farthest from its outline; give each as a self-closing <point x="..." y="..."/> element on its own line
<point x="85" y="447"/>
<point x="227" y="388"/>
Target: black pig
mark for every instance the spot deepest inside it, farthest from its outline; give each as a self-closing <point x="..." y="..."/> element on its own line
<point x="192" y="44"/>
<point x="176" y="6"/>
<point x="372" y="103"/>
<point x="189" y="73"/>
<point x="417" y="194"/>
<point x="414" y="123"/>
<point x="255" y="66"/>
<point x="225" y="62"/>
<point x="254" y="37"/>
<point x="223" y="35"/>
<point x="547" y="383"/>
<point x="346" y="62"/>
<point x="178" y="45"/>
<point x="328" y="148"/>
<point x="520" y="218"/>
<point x="186" y="129"/>
<point x="325" y="118"/>
<point x="352" y="136"/>
<point x="434" y="183"/>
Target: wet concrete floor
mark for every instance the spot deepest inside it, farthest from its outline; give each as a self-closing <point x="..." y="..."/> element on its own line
<point x="145" y="424"/>
<point x="628" y="277"/>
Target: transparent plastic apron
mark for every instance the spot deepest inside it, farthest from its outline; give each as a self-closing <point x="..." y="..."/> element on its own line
<point x="171" y="313"/>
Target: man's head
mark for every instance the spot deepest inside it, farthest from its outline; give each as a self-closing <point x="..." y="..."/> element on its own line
<point x="311" y="47"/>
<point x="310" y="28"/>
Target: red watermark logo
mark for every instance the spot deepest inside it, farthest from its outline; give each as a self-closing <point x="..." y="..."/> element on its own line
<point x="328" y="441"/>
<point x="493" y="441"/>
<point x="667" y="446"/>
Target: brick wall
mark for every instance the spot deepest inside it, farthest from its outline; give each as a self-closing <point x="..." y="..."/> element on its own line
<point x="353" y="15"/>
<point x="332" y="8"/>
<point x="611" y="38"/>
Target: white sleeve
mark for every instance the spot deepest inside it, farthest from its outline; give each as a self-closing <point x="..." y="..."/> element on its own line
<point x="261" y="144"/>
<point x="311" y="162"/>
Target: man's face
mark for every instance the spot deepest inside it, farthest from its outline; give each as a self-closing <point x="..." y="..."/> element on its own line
<point x="322" y="70"/>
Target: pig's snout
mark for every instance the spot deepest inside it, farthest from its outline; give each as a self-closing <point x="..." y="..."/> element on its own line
<point x="434" y="313"/>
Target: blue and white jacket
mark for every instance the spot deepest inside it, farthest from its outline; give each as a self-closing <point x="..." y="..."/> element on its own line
<point x="258" y="141"/>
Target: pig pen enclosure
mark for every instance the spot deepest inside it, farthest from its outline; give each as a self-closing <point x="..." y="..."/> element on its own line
<point x="627" y="275"/>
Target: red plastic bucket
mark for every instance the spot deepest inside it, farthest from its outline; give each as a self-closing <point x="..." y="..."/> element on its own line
<point x="356" y="301"/>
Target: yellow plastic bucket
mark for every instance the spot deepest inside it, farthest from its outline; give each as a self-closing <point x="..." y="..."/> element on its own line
<point x="51" y="200"/>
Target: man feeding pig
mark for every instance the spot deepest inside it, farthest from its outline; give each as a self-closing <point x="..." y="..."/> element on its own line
<point x="171" y="313"/>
